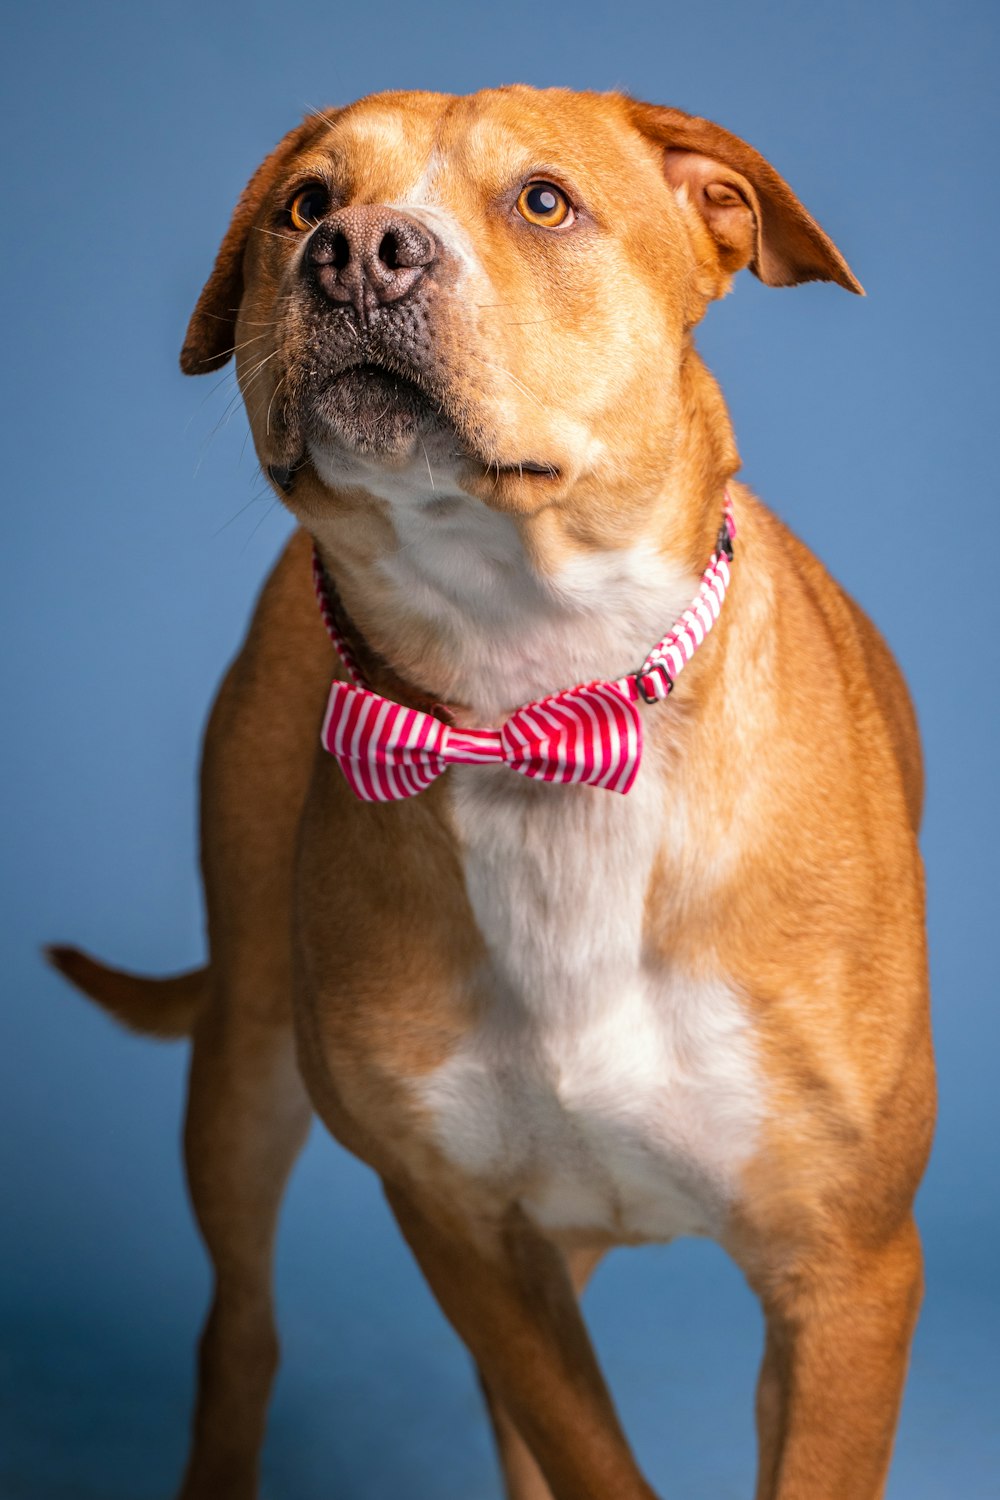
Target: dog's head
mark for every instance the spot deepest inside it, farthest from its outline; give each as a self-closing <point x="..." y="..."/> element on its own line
<point x="496" y="289"/>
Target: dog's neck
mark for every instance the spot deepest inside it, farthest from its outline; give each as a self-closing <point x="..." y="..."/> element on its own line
<point x="483" y="610"/>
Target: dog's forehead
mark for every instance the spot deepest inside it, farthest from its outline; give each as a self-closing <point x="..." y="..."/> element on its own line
<point x="413" y="146"/>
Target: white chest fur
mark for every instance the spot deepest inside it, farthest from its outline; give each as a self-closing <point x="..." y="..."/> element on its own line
<point x="605" y="1091"/>
<point x="600" y="1087"/>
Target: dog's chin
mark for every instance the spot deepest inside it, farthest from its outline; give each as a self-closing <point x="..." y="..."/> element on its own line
<point x="368" y="426"/>
<point x="372" y="414"/>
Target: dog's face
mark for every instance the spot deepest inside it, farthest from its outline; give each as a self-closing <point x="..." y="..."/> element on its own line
<point x="489" y="292"/>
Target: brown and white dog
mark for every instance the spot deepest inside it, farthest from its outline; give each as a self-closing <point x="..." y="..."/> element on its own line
<point x="553" y="1019"/>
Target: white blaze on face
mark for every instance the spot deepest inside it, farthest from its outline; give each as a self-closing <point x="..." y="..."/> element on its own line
<point x="423" y="189"/>
<point x="423" y="200"/>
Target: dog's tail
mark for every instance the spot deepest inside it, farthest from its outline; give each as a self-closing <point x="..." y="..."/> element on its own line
<point x="165" y="1007"/>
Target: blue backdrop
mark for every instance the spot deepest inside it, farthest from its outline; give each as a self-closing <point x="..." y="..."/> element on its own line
<point x="136" y="533"/>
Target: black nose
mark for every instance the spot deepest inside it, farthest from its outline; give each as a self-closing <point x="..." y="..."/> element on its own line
<point x="369" y="255"/>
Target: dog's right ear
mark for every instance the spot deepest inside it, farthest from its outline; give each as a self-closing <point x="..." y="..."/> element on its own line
<point x="208" y="343"/>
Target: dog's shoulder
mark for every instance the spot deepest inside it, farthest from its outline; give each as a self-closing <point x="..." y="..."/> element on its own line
<point x="877" y="698"/>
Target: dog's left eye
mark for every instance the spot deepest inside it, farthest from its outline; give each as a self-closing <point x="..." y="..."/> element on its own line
<point x="545" y="204"/>
<point x="308" y="206"/>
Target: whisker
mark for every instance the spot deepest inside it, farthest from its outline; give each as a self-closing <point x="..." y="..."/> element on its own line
<point x="277" y="388"/>
<point x="259" y="524"/>
<point x="499" y="306"/>
<point x="223" y="420"/>
<point x="320" y="114"/>
<point x="254" y="499"/>
<point x="229" y="375"/>
<point x="427" y="461"/>
<point x="254" y="376"/>
<point x="530" y="323"/>
<point x="233" y="348"/>
<point x="513" y="378"/>
<point x="255" y="322"/>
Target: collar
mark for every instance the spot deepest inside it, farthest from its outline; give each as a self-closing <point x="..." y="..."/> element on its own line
<point x="394" y="747"/>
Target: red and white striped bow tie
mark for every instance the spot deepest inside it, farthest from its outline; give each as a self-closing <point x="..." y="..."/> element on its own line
<point x="590" y="734"/>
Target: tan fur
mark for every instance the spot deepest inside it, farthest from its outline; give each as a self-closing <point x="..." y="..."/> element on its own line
<point x="165" y="1007"/>
<point x="790" y="763"/>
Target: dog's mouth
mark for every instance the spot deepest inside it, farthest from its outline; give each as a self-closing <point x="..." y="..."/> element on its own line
<point x="377" y="412"/>
<point x="527" y="466"/>
<point x="373" y="410"/>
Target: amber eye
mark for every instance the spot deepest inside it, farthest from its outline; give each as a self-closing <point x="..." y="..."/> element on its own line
<point x="308" y="206"/>
<point x="543" y="203"/>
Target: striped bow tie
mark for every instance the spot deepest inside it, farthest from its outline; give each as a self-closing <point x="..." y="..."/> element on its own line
<point x="590" y="734"/>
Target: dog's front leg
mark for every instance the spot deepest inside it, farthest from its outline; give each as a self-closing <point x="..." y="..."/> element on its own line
<point x="508" y="1293"/>
<point x="838" y="1341"/>
<point x="523" y="1479"/>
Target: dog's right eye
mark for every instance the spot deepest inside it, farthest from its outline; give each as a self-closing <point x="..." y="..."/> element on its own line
<point x="308" y="206"/>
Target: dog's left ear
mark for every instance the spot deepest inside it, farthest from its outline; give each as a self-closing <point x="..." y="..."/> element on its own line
<point x="753" y="217"/>
<point x="208" y="343"/>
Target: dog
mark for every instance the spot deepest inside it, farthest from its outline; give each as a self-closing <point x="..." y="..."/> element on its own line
<point x="585" y="906"/>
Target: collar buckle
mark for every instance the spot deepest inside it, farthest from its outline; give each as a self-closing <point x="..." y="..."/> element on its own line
<point x="648" y="679"/>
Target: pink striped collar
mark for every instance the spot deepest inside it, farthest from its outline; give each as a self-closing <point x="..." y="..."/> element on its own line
<point x="591" y="734"/>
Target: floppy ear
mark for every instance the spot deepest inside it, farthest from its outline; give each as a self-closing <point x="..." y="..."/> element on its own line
<point x="751" y="213"/>
<point x="208" y="343"/>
